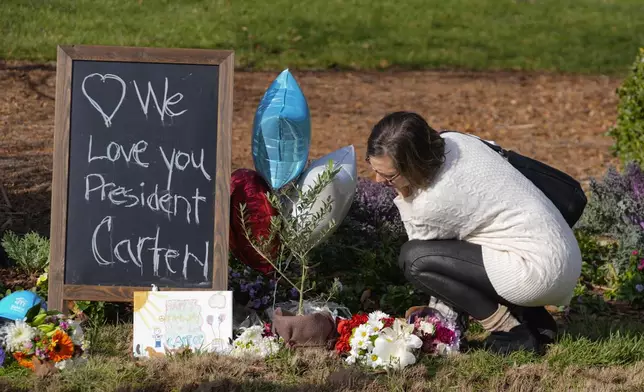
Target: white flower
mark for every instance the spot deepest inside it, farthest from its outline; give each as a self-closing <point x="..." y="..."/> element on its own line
<point x="399" y="329"/>
<point x="352" y="358"/>
<point x="373" y="360"/>
<point x="261" y="349"/>
<point x="374" y="326"/>
<point x="355" y="353"/>
<point x="17" y="334"/>
<point x="360" y="343"/>
<point x="413" y="342"/>
<point x="375" y="323"/>
<point x="377" y="315"/>
<point x="427" y="328"/>
<point x="395" y="343"/>
<point x="393" y="353"/>
<point x="362" y="332"/>
<point x="85" y="345"/>
<point x="251" y="334"/>
<point x="78" y="336"/>
<point x="251" y="343"/>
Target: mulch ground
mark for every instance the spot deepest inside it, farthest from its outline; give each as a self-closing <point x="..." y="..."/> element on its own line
<point x="559" y="119"/>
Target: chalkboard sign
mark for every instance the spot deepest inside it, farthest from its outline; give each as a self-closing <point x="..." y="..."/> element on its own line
<point x="140" y="193"/>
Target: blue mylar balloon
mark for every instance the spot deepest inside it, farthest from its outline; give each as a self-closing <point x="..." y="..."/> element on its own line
<point x="281" y="132"/>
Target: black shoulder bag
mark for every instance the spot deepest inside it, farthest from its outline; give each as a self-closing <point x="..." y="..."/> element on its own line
<point x="564" y="191"/>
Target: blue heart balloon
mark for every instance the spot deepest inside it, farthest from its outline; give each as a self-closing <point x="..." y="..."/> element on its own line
<point x="281" y="132"/>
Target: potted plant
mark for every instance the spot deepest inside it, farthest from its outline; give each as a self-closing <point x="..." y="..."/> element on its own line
<point x="296" y="224"/>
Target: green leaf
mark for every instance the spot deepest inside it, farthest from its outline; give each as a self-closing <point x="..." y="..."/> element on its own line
<point x="32" y="312"/>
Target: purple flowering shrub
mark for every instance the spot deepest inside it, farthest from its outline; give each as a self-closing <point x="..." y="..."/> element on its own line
<point x="616" y="209"/>
<point x="253" y="289"/>
<point x="374" y="206"/>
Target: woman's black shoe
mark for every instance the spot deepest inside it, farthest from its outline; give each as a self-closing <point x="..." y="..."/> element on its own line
<point x="518" y="338"/>
<point x="540" y="322"/>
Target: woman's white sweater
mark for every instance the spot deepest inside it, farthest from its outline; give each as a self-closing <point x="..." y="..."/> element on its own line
<point x="530" y="253"/>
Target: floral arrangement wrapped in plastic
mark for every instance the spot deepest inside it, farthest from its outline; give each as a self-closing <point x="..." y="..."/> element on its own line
<point x="44" y="341"/>
<point x="380" y="341"/>
<point x="256" y="341"/>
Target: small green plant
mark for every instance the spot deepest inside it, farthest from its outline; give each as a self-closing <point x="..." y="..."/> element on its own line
<point x="30" y="253"/>
<point x="596" y="258"/>
<point x="629" y="284"/>
<point x="296" y="231"/>
<point x="588" y="302"/>
<point x="628" y="132"/>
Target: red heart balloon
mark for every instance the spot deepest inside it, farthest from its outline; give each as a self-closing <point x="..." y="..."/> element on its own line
<point x="248" y="187"/>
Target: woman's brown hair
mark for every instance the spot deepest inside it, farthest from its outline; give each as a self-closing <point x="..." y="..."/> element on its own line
<point x="417" y="150"/>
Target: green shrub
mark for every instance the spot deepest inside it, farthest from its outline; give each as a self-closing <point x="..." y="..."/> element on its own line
<point x="30" y="253"/>
<point x="628" y="132"/>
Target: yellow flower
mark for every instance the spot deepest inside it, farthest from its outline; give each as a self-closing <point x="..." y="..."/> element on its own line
<point x="42" y="279"/>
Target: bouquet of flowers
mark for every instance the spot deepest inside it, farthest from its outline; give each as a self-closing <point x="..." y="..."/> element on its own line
<point x="44" y="339"/>
<point x="439" y="335"/>
<point x="381" y="341"/>
<point x="256" y="342"/>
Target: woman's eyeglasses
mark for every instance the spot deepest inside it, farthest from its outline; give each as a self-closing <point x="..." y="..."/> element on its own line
<point x="388" y="179"/>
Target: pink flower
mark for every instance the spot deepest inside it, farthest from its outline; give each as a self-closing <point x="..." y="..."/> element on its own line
<point x="445" y="335"/>
<point x="641" y="265"/>
<point x="635" y="253"/>
<point x="267" y="330"/>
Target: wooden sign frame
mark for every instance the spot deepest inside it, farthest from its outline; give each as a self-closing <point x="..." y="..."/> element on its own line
<point x="59" y="292"/>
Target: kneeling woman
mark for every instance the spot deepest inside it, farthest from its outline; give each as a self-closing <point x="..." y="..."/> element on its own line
<point x="482" y="237"/>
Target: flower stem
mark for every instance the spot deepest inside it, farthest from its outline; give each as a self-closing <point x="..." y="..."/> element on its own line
<point x="300" y="305"/>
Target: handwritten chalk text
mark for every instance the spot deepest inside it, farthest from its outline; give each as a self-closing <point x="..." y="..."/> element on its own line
<point x="115" y="151"/>
<point x="180" y="160"/>
<point x="164" y="201"/>
<point x="146" y="248"/>
<point x="167" y="102"/>
<point x="164" y="109"/>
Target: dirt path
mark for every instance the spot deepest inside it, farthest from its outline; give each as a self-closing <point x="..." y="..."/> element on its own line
<point x="558" y="119"/>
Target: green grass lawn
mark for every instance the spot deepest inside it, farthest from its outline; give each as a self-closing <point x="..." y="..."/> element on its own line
<point x="588" y="36"/>
<point x="593" y="354"/>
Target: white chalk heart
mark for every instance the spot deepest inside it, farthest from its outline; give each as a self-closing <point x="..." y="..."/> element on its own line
<point x="106" y="118"/>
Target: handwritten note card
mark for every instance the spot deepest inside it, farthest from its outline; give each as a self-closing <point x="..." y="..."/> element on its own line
<point x="143" y="146"/>
<point x="167" y="321"/>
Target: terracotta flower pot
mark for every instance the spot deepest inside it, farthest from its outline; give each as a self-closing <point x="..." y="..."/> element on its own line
<point x="308" y="330"/>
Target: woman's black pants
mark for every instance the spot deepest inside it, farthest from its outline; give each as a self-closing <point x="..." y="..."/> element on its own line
<point x="453" y="271"/>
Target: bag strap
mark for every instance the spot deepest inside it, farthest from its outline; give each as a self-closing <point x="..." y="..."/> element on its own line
<point x="503" y="152"/>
